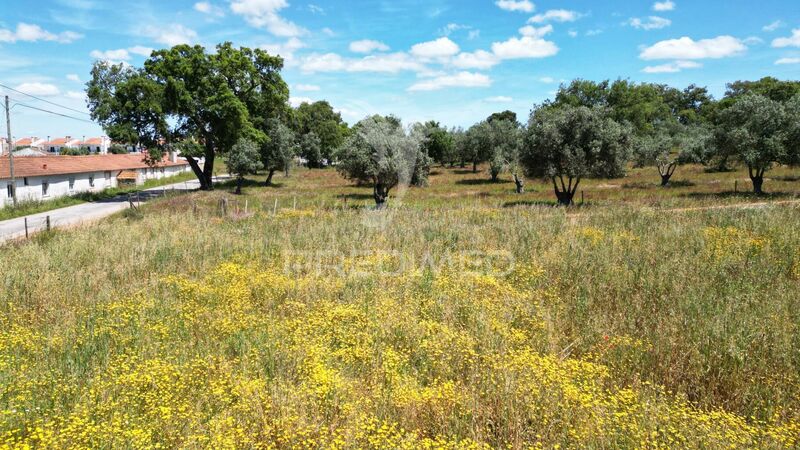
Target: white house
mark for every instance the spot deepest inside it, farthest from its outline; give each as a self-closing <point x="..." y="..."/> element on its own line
<point x="4" y="147"/>
<point x="98" y="145"/>
<point x="33" y="142"/>
<point x="58" y="144"/>
<point x="48" y="177"/>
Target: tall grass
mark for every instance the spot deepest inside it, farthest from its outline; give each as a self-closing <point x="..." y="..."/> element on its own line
<point x="332" y="326"/>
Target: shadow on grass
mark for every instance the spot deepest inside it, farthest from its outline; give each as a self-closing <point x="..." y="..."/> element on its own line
<point x="355" y="197"/>
<point x="481" y="181"/>
<point x="248" y="183"/>
<point x="740" y="194"/>
<point x="787" y="178"/>
<point x="648" y="185"/>
<point x="464" y="172"/>
<point x="518" y="203"/>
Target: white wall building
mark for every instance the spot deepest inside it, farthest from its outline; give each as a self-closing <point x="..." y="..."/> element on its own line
<point x="58" y="144"/>
<point x="48" y="177"/>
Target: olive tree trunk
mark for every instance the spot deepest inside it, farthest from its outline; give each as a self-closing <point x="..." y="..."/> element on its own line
<point x="269" y="177"/>
<point x="566" y="192"/>
<point x="666" y="171"/>
<point x="757" y="177"/>
<point x="381" y="195"/>
<point x="519" y="183"/>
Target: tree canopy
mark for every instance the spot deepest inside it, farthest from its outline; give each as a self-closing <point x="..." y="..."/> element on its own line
<point x="381" y="152"/>
<point x="757" y="131"/>
<point x="187" y="93"/>
<point x="321" y="119"/>
<point x="243" y="159"/>
<point x="278" y="149"/>
<point x="567" y="143"/>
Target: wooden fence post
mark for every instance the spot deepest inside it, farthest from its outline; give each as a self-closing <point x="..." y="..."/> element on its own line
<point x="48" y="223"/>
<point x="26" y="228"/>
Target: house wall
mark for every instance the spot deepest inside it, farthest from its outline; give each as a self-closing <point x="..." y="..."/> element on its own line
<point x="59" y="184"/>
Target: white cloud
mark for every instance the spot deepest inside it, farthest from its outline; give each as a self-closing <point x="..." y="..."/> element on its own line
<point x="687" y="48"/>
<point x="461" y="79"/>
<point x="788" y="61"/>
<point x="328" y="32"/>
<point x="264" y="14"/>
<point x="555" y="15"/>
<point x="651" y="23"/>
<point x="111" y="55"/>
<point x="479" y="59"/>
<point x="791" y="41"/>
<point x="474" y="34"/>
<point x="208" y="8"/>
<point x="774" y="25"/>
<point x="141" y="51"/>
<point x="572" y="33"/>
<point x="170" y="36"/>
<point x="368" y="46"/>
<point x="667" y="5"/>
<point x="74" y="77"/>
<point x="450" y="28"/>
<point x="440" y="48"/>
<point x="531" y="31"/>
<point x="285" y="50"/>
<point x="547" y="80"/>
<point x="39" y="89"/>
<point x="514" y="5"/>
<point x="524" y="47"/>
<point x="75" y="95"/>
<point x="31" y="33"/>
<point x="315" y="9"/>
<point x="122" y="54"/>
<point x="297" y="101"/>
<point x="500" y="99"/>
<point x="306" y="87"/>
<point x="673" y="67"/>
<point x="381" y="63"/>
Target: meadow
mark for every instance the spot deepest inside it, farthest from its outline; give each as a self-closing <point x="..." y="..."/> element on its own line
<point x="464" y="316"/>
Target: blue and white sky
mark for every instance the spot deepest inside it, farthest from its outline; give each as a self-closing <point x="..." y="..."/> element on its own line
<point x="455" y="61"/>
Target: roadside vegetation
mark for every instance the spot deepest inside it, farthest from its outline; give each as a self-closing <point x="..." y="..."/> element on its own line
<point x="26" y="208"/>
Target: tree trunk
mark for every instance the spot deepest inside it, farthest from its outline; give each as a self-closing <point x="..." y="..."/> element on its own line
<point x="474" y="166"/>
<point x="757" y="177"/>
<point x="666" y="171"/>
<point x="198" y="172"/>
<point x="494" y="175"/>
<point x="566" y="193"/>
<point x="520" y="184"/>
<point x="208" y="166"/>
<point x="269" y="177"/>
<point x="239" y="181"/>
<point x="381" y="195"/>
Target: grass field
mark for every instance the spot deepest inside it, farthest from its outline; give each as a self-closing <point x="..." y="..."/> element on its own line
<point x="465" y="316"/>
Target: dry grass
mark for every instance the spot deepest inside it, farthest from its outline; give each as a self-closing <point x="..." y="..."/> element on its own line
<point x="450" y="321"/>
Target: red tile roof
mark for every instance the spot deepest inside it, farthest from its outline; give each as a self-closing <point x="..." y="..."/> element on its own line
<point x="93" y="141"/>
<point x="34" y="166"/>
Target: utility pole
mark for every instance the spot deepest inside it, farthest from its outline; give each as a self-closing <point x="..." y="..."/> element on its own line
<point x="11" y="154"/>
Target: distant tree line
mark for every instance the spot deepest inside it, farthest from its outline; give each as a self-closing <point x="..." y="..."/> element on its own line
<point x="234" y="102"/>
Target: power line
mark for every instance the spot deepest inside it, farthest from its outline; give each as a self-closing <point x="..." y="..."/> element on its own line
<point x="53" y="112"/>
<point x="43" y="100"/>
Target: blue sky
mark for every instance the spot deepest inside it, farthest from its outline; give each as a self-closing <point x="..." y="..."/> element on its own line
<point x="448" y="60"/>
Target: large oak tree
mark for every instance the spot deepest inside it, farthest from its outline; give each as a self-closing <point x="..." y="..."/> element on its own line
<point x="187" y="93"/>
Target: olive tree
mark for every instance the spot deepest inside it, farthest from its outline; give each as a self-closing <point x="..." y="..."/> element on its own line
<point x="311" y="148"/>
<point x="243" y="159"/>
<point x="278" y="149"/>
<point x="567" y="143"/>
<point x="667" y="149"/>
<point x="756" y="130"/>
<point x="382" y="153"/>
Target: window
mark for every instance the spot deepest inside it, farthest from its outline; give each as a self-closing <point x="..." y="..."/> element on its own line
<point x="45" y="188"/>
<point x="10" y="189"/>
<point x="91" y="181"/>
<point x="71" y="183"/>
<point x="25" y="181"/>
<point x="52" y="149"/>
<point x="108" y="175"/>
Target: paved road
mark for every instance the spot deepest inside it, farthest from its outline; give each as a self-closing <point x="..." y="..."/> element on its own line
<point x="82" y="213"/>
